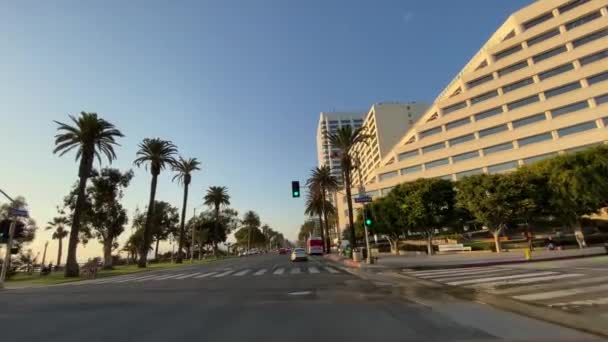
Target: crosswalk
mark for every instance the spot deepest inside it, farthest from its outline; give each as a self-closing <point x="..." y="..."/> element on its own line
<point x="562" y="288"/>
<point x="251" y="272"/>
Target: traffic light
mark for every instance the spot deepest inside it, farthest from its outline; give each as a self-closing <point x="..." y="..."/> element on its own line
<point x="5" y="228"/>
<point x="295" y="189"/>
<point x="369" y="217"/>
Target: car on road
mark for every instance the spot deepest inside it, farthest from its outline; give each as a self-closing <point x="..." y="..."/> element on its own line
<point x="299" y="254"/>
<point x="282" y="251"/>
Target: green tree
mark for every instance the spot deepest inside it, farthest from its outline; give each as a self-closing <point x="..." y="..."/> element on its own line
<point x="251" y="222"/>
<point x="345" y="139"/>
<point x="164" y="223"/>
<point x="387" y="220"/>
<point x="91" y="136"/>
<point x="184" y="169"/>
<point x="107" y="215"/>
<point x="321" y="181"/>
<point x="306" y="230"/>
<point x="215" y="197"/>
<point x="316" y="205"/>
<point x="58" y="225"/>
<point x="248" y="237"/>
<point x="158" y="154"/>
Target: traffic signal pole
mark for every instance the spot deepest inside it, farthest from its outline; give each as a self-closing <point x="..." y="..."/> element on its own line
<point x="369" y="251"/>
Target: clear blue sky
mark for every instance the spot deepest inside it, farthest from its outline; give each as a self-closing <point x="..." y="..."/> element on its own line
<point x="237" y="84"/>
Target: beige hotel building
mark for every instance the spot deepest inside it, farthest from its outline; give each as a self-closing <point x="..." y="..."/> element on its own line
<point x="537" y="88"/>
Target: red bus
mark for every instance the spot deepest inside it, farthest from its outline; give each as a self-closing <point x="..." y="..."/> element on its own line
<point x="314" y="245"/>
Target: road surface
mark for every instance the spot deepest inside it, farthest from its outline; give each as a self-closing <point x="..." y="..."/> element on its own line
<point x="255" y="298"/>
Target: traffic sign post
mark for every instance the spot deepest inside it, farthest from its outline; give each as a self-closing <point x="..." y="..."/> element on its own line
<point x="363" y="199"/>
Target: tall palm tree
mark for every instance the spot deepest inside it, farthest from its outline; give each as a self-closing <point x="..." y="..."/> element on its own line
<point x="158" y="154"/>
<point x="215" y="197"/>
<point x="345" y="139"/>
<point x="251" y="220"/>
<point x="325" y="183"/>
<point x="315" y="205"/>
<point x="58" y="225"/>
<point x="184" y="169"/>
<point x="90" y="135"/>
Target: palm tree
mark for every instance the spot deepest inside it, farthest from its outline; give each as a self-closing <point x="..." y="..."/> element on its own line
<point x="345" y="139"/>
<point x="215" y="197"/>
<point x="251" y="220"/>
<point x="58" y="225"/>
<point x="91" y="136"/>
<point x="322" y="181"/>
<point x="315" y="205"/>
<point x="158" y="154"/>
<point x="184" y="169"/>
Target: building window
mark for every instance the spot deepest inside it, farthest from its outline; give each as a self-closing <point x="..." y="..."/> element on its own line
<point x="542" y="37"/>
<point x="517" y="85"/>
<point x="555" y="71"/>
<point x="594" y="57"/>
<point x="523" y="102"/>
<point x="482" y="65"/>
<point x="411" y="169"/>
<point x="430" y="132"/>
<point x="535" y="159"/>
<point x="465" y="156"/>
<point x="503" y="167"/>
<point x="582" y="148"/>
<point x="585" y="126"/>
<point x="534" y="139"/>
<point x="582" y="20"/>
<point x="569" y="108"/>
<point x="333" y="122"/>
<point x="529" y="120"/>
<point x="572" y="4"/>
<point x="436" y="163"/>
<point x="480" y="80"/>
<point x="548" y="54"/>
<point x="407" y="155"/>
<point x="461" y="139"/>
<point x="597" y="78"/>
<point x="493" y="130"/>
<point x="605" y="121"/>
<point x="562" y="89"/>
<point x="601" y="99"/>
<point x="498" y="148"/>
<point x="454" y="107"/>
<point x="457" y="123"/>
<point x="589" y="38"/>
<point x="512" y="68"/>
<point x="387" y="175"/>
<point x="463" y="174"/>
<point x="433" y="147"/>
<point x="483" y="97"/>
<point x="538" y="20"/>
<point x="488" y="113"/>
<point x="507" y="52"/>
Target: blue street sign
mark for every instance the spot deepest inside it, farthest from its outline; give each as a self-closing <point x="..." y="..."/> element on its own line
<point x="363" y="199"/>
<point x="19" y="212"/>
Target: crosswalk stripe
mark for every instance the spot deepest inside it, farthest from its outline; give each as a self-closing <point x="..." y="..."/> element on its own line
<point x="589" y="302"/>
<point x="260" y="272"/>
<point x="114" y="279"/>
<point x="463" y="274"/>
<point x="219" y="275"/>
<point x="561" y="293"/>
<point x="204" y="275"/>
<point x="446" y="271"/>
<point x="188" y="275"/>
<point x="313" y="269"/>
<point x="295" y="270"/>
<point x="529" y="280"/>
<point x="546" y="287"/>
<point x="150" y="277"/>
<point x="124" y="280"/>
<point x="489" y="279"/>
<point x="331" y="270"/>
<point x="279" y="271"/>
<point x="241" y="273"/>
<point x="169" y="276"/>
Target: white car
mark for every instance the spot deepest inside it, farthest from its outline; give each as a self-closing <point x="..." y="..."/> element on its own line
<point x="299" y="254"/>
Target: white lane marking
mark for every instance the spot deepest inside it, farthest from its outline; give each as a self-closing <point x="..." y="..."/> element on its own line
<point x="331" y="270"/>
<point x="219" y="275"/>
<point x="528" y="280"/>
<point x="188" y="275"/>
<point x="543" y="287"/>
<point x="313" y="269"/>
<point x="586" y="302"/>
<point x="279" y="271"/>
<point x="241" y="273"/>
<point x="448" y="270"/>
<point x="562" y="293"/>
<point x="260" y="272"/>
<point x="489" y="279"/>
<point x="480" y="273"/>
<point x="295" y="270"/>
<point x="169" y="276"/>
<point x="205" y="275"/>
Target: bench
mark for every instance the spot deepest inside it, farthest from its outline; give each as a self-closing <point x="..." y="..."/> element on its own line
<point x="454" y="247"/>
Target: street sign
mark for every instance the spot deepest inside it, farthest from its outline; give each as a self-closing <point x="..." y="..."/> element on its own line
<point x="19" y="212"/>
<point x="363" y="199"/>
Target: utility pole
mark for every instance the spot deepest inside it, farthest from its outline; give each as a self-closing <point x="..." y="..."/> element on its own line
<point x="9" y="244"/>
<point x="192" y="243"/>
<point x="361" y="193"/>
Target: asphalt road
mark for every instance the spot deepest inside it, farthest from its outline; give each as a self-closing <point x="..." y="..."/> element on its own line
<point x="256" y="298"/>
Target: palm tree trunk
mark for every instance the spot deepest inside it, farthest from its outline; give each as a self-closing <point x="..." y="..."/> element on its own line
<point x="181" y="226"/>
<point x="321" y="229"/>
<point x="327" y="241"/>
<point x="107" y="254"/>
<point x="156" y="250"/>
<point x="71" y="265"/>
<point x="349" y="203"/>
<point x="59" y="250"/>
<point x="143" y="249"/>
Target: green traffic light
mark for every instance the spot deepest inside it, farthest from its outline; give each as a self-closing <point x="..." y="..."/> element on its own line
<point x="368" y="222"/>
<point x="296" y="193"/>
